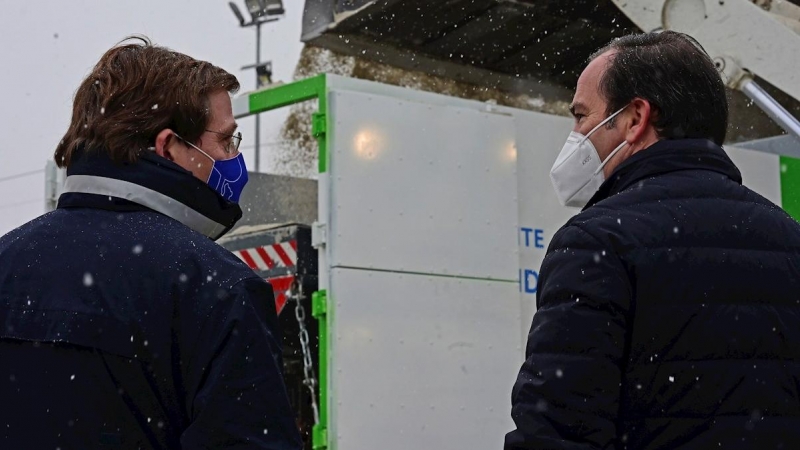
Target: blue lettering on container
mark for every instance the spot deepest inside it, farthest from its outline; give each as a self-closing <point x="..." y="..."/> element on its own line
<point x="528" y="280"/>
<point x="538" y="238"/>
<point x="527" y="232"/>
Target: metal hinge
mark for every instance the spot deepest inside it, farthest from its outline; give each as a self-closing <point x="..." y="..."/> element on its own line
<point x="318" y="124"/>
<point x="319" y="304"/>
<point x="319" y="437"/>
<point x="319" y="234"/>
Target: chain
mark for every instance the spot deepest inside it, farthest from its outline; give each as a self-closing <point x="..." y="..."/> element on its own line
<point x="309" y="379"/>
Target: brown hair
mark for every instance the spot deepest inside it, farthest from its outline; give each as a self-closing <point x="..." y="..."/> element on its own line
<point x="136" y="90"/>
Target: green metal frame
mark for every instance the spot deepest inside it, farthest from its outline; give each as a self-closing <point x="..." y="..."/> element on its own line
<point x="790" y="185"/>
<point x="319" y="309"/>
<point x="298" y="92"/>
<point x="279" y="97"/>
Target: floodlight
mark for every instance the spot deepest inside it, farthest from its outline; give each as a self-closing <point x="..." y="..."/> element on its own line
<point x="256" y="8"/>
<point x="274" y="8"/>
<point x="237" y="13"/>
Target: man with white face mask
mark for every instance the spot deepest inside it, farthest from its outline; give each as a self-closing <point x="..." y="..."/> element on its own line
<point x="577" y="173"/>
<point x="667" y="309"/>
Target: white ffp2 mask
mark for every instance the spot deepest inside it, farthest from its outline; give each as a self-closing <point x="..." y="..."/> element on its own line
<point x="578" y="171"/>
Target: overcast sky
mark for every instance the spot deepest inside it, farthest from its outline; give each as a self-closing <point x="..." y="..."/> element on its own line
<point x="47" y="47"/>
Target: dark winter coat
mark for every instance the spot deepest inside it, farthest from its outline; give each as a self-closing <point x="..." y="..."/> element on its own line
<point x="122" y="325"/>
<point x="668" y="315"/>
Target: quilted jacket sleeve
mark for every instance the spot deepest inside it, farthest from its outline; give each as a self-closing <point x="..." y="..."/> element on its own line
<point x="567" y="392"/>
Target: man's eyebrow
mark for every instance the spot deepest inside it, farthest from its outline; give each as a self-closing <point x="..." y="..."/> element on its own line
<point x="230" y="129"/>
<point x="576" y="106"/>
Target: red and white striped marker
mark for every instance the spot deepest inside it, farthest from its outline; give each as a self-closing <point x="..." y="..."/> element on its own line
<point x="267" y="257"/>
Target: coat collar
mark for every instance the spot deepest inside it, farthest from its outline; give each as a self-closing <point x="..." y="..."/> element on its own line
<point x="666" y="156"/>
<point x="153" y="183"/>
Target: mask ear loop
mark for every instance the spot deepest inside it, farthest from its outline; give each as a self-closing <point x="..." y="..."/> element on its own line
<point x="607" y="119"/>
<point x="611" y="155"/>
<point x="196" y="148"/>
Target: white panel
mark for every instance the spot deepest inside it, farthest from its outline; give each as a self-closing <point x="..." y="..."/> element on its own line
<point x="539" y="139"/>
<point x="340" y="83"/>
<point x="421" y="362"/>
<point x="241" y="106"/>
<point x="760" y="171"/>
<point x="422" y="188"/>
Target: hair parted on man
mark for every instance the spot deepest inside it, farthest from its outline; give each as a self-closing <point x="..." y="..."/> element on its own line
<point x="136" y="90"/>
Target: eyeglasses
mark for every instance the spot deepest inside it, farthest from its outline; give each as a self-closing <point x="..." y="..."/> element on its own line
<point x="233" y="145"/>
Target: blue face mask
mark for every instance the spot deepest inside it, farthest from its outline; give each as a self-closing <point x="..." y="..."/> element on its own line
<point x="228" y="176"/>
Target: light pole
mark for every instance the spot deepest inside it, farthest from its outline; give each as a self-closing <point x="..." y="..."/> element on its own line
<point x="261" y="12"/>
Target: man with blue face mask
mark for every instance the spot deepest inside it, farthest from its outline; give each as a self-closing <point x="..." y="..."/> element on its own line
<point x="667" y="309"/>
<point x="226" y="176"/>
<point x="122" y="323"/>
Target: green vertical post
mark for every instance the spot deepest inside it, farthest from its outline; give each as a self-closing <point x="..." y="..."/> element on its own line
<point x="278" y="97"/>
<point x="319" y="309"/>
<point x="790" y="185"/>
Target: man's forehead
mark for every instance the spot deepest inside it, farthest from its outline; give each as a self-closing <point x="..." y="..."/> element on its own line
<point x="587" y="91"/>
<point x="221" y="112"/>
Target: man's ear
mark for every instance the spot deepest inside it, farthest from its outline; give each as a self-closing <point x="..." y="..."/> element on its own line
<point x="165" y="143"/>
<point x="638" y="119"/>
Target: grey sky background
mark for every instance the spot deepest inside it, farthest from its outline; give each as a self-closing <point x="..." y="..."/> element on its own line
<point x="47" y="47"/>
